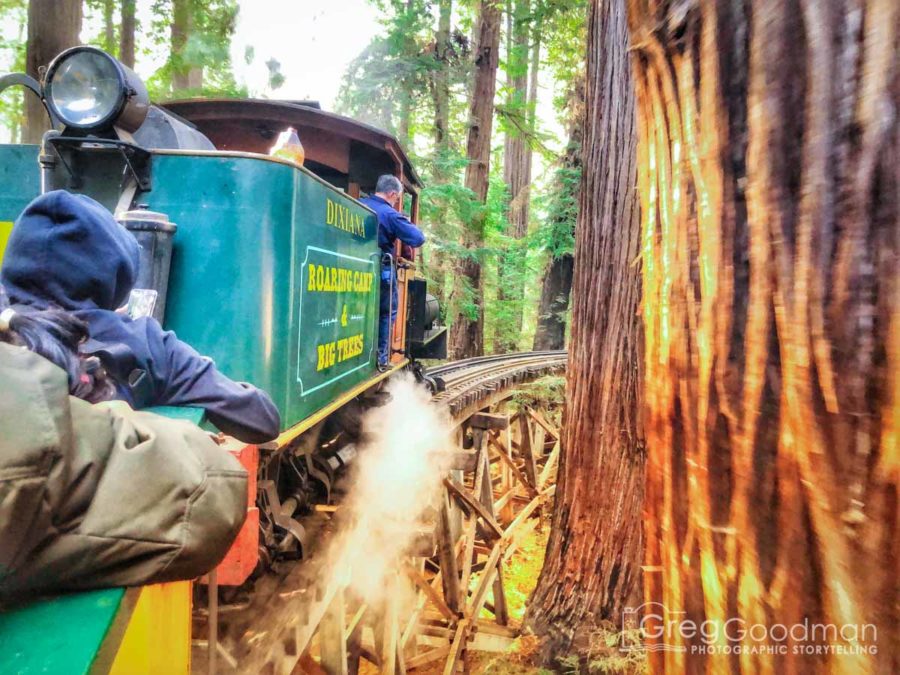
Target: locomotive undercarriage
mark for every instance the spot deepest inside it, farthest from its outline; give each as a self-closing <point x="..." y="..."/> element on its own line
<point x="307" y="473"/>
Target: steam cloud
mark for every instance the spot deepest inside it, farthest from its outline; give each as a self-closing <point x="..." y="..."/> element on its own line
<point x="403" y="457"/>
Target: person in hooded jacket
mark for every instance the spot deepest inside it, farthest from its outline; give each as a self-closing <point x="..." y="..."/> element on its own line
<point x="78" y="509"/>
<point x="67" y="251"/>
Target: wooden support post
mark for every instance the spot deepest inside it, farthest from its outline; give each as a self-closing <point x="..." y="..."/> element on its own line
<point x="506" y="514"/>
<point x="526" y="448"/>
<point x="354" y="643"/>
<point x="447" y="558"/>
<point x="390" y="636"/>
<point x="457" y="648"/>
<point x="539" y="418"/>
<point x="332" y="645"/>
<point x="549" y="467"/>
<point x="482" y="474"/>
<point x="501" y="613"/>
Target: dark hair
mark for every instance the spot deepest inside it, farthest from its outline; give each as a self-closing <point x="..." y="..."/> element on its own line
<point x="56" y="335"/>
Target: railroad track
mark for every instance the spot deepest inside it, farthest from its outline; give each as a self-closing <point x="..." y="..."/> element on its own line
<point x="290" y="606"/>
<point x="467" y="383"/>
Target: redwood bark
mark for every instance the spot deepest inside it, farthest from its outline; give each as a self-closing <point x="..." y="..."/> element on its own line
<point x="467" y="329"/>
<point x="557" y="282"/>
<point x="769" y="185"/>
<point x="516" y="174"/>
<point x="126" y="33"/>
<point x="555" y="291"/>
<point x="593" y="557"/>
<point x="436" y="262"/>
<point x="53" y="26"/>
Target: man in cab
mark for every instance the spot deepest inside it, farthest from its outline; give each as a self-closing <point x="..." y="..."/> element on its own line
<point x="392" y="225"/>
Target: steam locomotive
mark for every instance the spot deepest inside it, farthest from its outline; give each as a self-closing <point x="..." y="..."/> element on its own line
<point x="263" y="265"/>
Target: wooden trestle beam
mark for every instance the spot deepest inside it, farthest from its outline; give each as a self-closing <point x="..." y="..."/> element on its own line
<point x="504" y="469"/>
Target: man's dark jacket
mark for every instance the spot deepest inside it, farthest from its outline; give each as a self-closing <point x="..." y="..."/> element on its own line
<point x="68" y="251"/>
<point x="393" y="225"/>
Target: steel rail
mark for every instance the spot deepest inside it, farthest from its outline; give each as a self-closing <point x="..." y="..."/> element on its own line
<point x="495" y="358"/>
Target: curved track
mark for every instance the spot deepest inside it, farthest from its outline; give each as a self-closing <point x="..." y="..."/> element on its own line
<point x="469" y="382"/>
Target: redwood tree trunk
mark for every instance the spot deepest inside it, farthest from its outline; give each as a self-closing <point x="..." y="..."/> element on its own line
<point x="768" y="175"/>
<point x="185" y="75"/>
<point x="436" y="262"/>
<point x="557" y="282"/>
<point x="109" y="27"/>
<point x="126" y="33"/>
<point x="593" y="557"/>
<point x="516" y="175"/>
<point x="467" y="330"/>
<point x="53" y="25"/>
<point x="555" y="291"/>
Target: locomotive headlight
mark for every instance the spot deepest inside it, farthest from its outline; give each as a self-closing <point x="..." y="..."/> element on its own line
<point x="88" y="89"/>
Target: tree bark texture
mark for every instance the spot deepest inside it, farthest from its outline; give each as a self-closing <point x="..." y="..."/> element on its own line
<point x="593" y="557"/>
<point x="555" y="291"/>
<point x="467" y="329"/>
<point x="53" y="26"/>
<point x="556" y="286"/>
<point x="516" y="173"/>
<point x="768" y="175"/>
<point x="442" y="76"/>
<point x="126" y="33"/>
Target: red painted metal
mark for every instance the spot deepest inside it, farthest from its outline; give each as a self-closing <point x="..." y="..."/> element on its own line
<point x="243" y="555"/>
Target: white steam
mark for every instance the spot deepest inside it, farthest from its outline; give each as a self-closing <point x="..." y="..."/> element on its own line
<point x="403" y="458"/>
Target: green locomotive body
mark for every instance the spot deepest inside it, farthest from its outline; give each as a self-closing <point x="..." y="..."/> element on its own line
<point x="274" y="272"/>
<point x="275" y="268"/>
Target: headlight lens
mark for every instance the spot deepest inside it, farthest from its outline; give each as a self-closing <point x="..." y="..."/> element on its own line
<point x="88" y="89"/>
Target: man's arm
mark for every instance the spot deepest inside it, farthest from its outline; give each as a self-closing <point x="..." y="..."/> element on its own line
<point x="406" y="231"/>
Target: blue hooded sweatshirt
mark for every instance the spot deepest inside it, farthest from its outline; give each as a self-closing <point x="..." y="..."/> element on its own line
<point x="67" y="251"/>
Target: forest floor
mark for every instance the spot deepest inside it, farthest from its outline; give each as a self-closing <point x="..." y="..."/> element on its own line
<point x="522" y="658"/>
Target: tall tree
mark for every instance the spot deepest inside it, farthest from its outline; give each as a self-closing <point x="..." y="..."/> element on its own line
<point x="556" y="286"/>
<point x="109" y="26"/>
<point x="53" y="25"/>
<point x="517" y="152"/>
<point x="126" y="32"/>
<point x="769" y="186"/>
<point x="467" y="329"/>
<point x="593" y="556"/>
<point x="440" y="88"/>
<point x="185" y="73"/>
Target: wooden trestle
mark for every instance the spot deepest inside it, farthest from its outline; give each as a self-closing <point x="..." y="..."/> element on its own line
<point x="504" y="472"/>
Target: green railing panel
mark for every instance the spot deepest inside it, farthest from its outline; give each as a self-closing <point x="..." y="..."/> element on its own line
<point x="61" y="635"/>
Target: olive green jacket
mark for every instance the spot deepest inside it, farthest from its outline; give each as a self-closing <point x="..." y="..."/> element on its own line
<point x="100" y="495"/>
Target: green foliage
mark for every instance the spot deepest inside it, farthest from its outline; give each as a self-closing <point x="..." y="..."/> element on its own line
<point x="564" y="27"/>
<point x="390" y="84"/>
<point x="207" y="46"/>
<point x="547" y="391"/>
<point x="556" y="235"/>
<point x="14" y="17"/>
